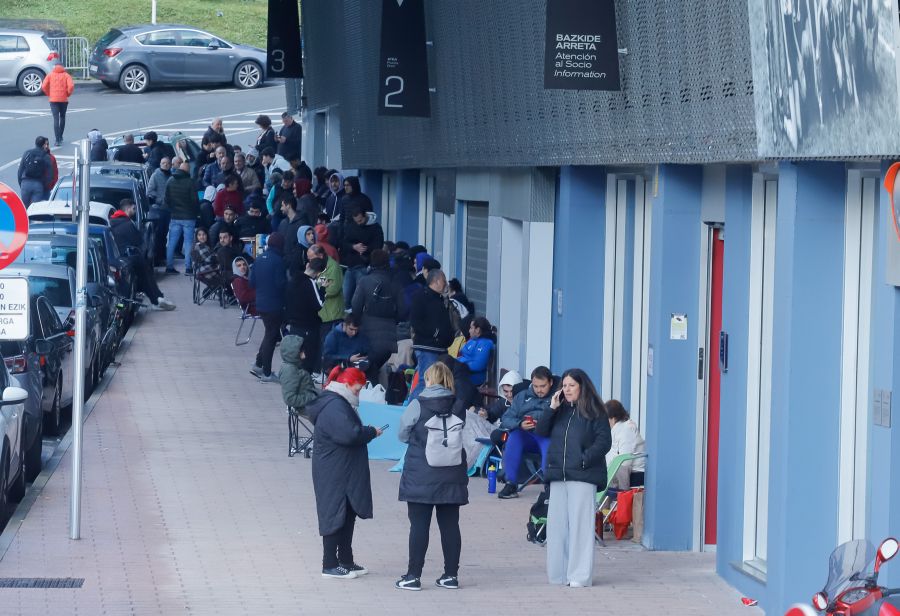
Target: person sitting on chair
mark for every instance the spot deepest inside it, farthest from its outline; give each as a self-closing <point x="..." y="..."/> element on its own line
<point x="476" y="353"/>
<point x="345" y="346"/>
<point x="626" y="438"/>
<point x="245" y="294"/>
<point x="520" y="419"/>
<point x="297" y="387"/>
<point x="496" y="410"/>
<point x="206" y="265"/>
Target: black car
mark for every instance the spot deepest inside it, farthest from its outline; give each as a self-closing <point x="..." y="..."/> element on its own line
<point x="111" y="189"/>
<point x="119" y="265"/>
<point x="43" y="364"/>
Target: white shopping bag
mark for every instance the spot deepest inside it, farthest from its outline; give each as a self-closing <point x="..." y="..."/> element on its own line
<point x="372" y="393"/>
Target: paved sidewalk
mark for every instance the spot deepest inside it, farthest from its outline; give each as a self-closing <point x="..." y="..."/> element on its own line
<point x="191" y="506"/>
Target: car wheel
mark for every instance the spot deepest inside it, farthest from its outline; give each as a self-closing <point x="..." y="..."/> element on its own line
<point x="17" y="489"/>
<point x="53" y="419"/>
<point x="33" y="457"/>
<point x="134" y="79"/>
<point x="30" y="82"/>
<point x="248" y="75"/>
<point x="5" y="508"/>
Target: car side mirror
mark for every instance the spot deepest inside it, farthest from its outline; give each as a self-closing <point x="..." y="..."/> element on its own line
<point x="13" y="395"/>
<point x="43" y="347"/>
<point x="214" y="45"/>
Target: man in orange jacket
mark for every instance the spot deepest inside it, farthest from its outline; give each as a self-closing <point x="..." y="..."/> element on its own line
<point x="58" y="86"/>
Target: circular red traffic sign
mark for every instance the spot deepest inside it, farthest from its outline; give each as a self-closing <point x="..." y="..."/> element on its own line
<point x="13" y="225"/>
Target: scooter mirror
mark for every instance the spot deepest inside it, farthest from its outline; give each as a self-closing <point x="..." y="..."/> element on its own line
<point x="820" y="601"/>
<point x="800" y="610"/>
<point x="886" y="551"/>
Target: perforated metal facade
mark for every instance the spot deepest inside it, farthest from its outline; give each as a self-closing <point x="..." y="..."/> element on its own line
<point x="687" y="89"/>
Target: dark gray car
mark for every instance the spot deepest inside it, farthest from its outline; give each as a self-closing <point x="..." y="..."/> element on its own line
<point x="134" y="57"/>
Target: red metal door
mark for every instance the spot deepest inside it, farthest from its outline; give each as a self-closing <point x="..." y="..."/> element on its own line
<point x="717" y="255"/>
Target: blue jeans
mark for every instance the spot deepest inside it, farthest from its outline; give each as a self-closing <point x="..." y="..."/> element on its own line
<point x="177" y="227"/>
<point x="32" y="190"/>
<point x="519" y="442"/>
<point x="351" y="277"/>
<point x="424" y="361"/>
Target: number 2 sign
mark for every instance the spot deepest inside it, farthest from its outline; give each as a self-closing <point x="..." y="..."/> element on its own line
<point x="403" y="90"/>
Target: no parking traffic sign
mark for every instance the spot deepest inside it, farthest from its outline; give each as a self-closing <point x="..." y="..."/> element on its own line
<point x="13" y="225"/>
<point x="14" y="299"/>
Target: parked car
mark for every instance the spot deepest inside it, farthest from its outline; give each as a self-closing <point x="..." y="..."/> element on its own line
<point x="12" y="454"/>
<point x="119" y="265"/>
<point x="57" y="284"/>
<point x="43" y="365"/>
<point x="61" y="210"/>
<point x="60" y="249"/>
<point x="135" y="171"/>
<point x="25" y="59"/>
<point x="112" y="189"/>
<point x="134" y="57"/>
<point x="185" y="147"/>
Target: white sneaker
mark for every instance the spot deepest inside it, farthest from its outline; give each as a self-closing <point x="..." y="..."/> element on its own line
<point x="165" y="304"/>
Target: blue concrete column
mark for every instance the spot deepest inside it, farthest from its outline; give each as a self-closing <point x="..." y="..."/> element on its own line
<point x="371" y="181"/>
<point x="408" y="206"/>
<point x="672" y="390"/>
<point x="806" y="373"/>
<point x="578" y="265"/>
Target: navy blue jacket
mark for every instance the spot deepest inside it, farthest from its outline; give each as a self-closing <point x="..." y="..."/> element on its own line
<point x="268" y="277"/>
<point x="340" y="347"/>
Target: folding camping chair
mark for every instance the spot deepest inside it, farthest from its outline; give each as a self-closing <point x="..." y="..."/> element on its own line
<point x="300" y="433"/>
<point x="607" y="497"/>
<point x="248" y="313"/>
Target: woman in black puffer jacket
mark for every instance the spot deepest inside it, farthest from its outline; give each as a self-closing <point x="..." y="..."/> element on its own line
<point x="576" y="464"/>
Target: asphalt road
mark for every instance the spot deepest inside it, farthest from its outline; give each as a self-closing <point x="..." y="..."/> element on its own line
<point x="115" y="113"/>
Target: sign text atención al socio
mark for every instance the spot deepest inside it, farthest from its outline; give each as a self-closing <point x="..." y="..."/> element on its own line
<point x="581" y="51"/>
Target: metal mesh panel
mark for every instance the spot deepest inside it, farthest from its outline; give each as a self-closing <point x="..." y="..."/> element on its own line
<point x="687" y="88"/>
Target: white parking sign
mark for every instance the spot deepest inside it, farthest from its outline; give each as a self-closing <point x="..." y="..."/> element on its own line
<point x="14" y="309"/>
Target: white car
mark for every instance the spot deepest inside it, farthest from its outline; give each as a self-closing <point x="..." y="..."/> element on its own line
<point x="12" y="454"/>
<point x="61" y="210"/>
<point x="26" y="57"/>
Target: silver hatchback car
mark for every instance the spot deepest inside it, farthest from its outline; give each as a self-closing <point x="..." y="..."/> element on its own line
<point x="134" y="57"/>
<point x="25" y="59"/>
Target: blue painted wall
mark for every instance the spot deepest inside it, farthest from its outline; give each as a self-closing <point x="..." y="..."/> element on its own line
<point x="408" y="206"/>
<point x="733" y="394"/>
<point x="671" y="396"/>
<point x="578" y="264"/>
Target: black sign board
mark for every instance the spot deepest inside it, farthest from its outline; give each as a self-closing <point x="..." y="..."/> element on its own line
<point x="581" y="51"/>
<point x="403" y="90"/>
<point x="283" y="53"/>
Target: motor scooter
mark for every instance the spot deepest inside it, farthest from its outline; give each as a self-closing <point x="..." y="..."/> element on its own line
<point x="852" y="588"/>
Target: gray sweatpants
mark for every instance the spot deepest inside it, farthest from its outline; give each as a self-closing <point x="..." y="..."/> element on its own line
<point x="570" y="532"/>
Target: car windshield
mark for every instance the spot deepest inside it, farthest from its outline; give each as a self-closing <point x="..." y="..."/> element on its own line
<point x="55" y="255"/>
<point x="56" y="290"/>
<point x="850" y="564"/>
<point x="101" y="194"/>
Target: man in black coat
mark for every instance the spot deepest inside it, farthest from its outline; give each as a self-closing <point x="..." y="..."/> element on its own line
<point x="289" y="138"/>
<point x="130" y="153"/>
<point x="303" y="301"/>
<point x="253" y="222"/>
<point x="359" y="238"/>
<point x="340" y="472"/>
<point x="377" y="303"/>
<point x="156" y="150"/>
<point x="128" y="236"/>
<point x="432" y="328"/>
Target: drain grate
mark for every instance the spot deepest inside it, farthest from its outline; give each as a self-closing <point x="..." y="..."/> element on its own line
<point x="41" y="582"/>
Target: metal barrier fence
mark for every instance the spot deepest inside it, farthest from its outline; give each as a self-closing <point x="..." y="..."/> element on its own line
<point x="74" y="52"/>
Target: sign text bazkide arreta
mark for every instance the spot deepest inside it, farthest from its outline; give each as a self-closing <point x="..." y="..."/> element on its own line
<point x="581" y="51"/>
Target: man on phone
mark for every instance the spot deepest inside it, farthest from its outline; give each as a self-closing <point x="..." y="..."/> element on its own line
<point x="520" y="419"/>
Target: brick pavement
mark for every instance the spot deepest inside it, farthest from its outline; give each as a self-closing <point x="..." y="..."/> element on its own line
<point x="191" y="506"/>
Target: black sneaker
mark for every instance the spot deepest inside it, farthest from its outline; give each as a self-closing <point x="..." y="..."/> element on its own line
<point x="188" y="271"/>
<point x="408" y="582"/>
<point x="509" y="491"/>
<point x="171" y="270"/>
<point x="447" y="581"/>
<point x="354" y="568"/>
<point x="338" y="573"/>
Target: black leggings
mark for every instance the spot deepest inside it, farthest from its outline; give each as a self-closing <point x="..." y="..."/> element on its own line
<point x="338" y="547"/>
<point x="59" y="119"/>
<point x="451" y="540"/>
<point x="272" y="324"/>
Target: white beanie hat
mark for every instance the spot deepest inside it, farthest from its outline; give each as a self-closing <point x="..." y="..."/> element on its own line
<point x="512" y="378"/>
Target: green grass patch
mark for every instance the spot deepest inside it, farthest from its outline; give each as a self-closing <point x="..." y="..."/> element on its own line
<point x="240" y="21"/>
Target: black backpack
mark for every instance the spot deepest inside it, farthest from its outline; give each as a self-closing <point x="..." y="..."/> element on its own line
<point x="537" y="530"/>
<point x="33" y="167"/>
<point x="381" y="303"/>
<point x="397" y="389"/>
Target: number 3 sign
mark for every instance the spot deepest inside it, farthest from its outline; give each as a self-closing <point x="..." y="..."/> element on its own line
<point x="403" y="90"/>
